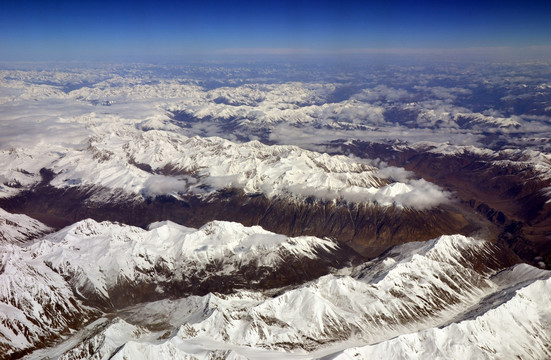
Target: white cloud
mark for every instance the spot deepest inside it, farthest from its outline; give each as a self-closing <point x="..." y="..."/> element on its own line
<point x="166" y="185"/>
<point x="380" y="93"/>
<point x="297" y="113"/>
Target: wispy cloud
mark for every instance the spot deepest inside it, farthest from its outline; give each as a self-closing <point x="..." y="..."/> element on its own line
<point x="309" y="114"/>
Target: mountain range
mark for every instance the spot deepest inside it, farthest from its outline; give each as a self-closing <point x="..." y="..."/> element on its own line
<point x="189" y="212"/>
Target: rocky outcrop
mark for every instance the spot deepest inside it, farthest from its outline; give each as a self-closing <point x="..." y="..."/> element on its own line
<point x="508" y="191"/>
<point x="366" y="227"/>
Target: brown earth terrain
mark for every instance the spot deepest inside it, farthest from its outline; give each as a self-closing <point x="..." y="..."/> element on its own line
<point x="508" y="194"/>
<point x="369" y="229"/>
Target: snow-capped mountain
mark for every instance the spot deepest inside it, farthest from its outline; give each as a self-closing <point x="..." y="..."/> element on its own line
<point x="374" y="159"/>
<point x="201" y="165"/>
<point x="19" y="228"/>
<point x="122" y="173"/>
<point x="121" y="145"/>
<point x="510" y="323"/>
<point x="452" y="285"/>
<point x="37" y="304"/>
<point x="108" y="266"/>
<point x="170" y="260"/>
<point x="515" y="194"/>
<point x="157" y="162"/>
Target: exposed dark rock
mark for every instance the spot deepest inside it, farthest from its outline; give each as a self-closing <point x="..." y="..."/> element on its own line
<point x="507" y="194"/>
<point x="367" y="228"/>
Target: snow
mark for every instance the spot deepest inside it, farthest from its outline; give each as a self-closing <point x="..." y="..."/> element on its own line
<point x="425" y="299"/>
<point x="19" y="228"/>
<point x="98" y="255"/>
<point x="489" y="120"/>
<point x="108" y="147"/>
<point x="521" y="159"/>
<point x="420" y="300"/>
<point x="38" y="282"/>
<point x="180" y="165"/>
<point x="35" y="301"/>
<point x="517" y="327"/>
<point x="534" y="165"/>
<point x="211" y="162"/>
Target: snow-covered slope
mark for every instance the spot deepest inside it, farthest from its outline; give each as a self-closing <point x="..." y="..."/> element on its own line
<point x="131" y="148"/>
<point x="415" y="289"/>
<point x="399" y="293"/>
<point x="512" y="323"/>
<point x="102" y="259"/>
<point x="178" y="164"/>
<point x="37" y="306"/>
<point x="135" y="163"/>
<point x="105" y="264"/>
<point x="115" y="135"/>
<point x="18" y="228"/>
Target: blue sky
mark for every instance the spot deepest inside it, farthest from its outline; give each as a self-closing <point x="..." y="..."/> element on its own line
<point x="73" y="30"/>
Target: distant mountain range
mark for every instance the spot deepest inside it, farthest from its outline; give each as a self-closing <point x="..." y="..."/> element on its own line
<point x="268" y="212"/>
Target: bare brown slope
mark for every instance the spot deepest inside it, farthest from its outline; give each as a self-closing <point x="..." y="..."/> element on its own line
<point x="367" y="228"/>
<point x="510" y="195"/>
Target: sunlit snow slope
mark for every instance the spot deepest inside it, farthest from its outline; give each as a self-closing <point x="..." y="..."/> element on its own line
<point x="146" y="164"/>
<point x="390" y="297"/>
<point x="451" y="284"/>
<point x="301" y="151"/>
<point x="53" y="285"/>
<point x="18" y="228"/>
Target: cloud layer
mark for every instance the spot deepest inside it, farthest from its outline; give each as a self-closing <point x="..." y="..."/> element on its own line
<point x="82" y="117"/>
